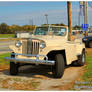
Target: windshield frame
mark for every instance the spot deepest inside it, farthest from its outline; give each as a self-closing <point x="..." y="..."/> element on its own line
<point x="49" y="26"/>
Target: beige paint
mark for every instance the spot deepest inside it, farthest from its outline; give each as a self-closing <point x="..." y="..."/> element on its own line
<point x="72" y="48"/>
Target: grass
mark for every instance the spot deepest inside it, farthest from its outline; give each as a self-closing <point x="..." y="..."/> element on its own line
<point x="86" y="79"/>
<point x="6" y="35"/>
<point x="88" y="74"/>
<point x="2" y="60"/>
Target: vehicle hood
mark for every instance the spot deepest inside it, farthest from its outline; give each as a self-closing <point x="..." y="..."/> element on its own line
<point x="49" y="40"/>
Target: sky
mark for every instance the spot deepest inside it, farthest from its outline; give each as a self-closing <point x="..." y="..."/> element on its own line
<point x="23" y="13"/>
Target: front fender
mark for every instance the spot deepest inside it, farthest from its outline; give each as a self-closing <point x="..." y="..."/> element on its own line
<point x="46" y="50"/>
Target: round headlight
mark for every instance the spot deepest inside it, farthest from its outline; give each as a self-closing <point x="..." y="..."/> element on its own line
<point x="18" y="44"/>
<point x="42" y="45"/>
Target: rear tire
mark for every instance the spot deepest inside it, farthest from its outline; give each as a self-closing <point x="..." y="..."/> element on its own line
<point x="58" y="68"/>
<point x="13" y="68"/>
<point x="81" y="59"/>
<point x="90" y="44"/>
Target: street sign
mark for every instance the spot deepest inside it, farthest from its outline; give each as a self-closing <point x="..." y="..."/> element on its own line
<point x="85" y="27"/>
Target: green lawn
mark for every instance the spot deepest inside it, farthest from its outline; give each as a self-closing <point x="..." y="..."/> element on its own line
<point x="88" y="74"/>
<point x="85" y="81"/>
<point x="2" y="60"/>
<point x="6" y="35"/>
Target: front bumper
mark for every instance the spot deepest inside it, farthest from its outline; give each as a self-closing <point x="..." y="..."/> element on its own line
<point x="32" y="61"/>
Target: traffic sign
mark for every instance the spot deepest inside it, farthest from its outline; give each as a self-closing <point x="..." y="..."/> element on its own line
<point x="85" y="27"/>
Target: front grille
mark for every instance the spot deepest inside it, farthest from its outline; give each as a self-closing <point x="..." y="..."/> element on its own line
<point x="30" y="47"/>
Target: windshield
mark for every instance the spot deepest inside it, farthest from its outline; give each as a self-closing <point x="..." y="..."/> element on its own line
<point x="58" y="31"/>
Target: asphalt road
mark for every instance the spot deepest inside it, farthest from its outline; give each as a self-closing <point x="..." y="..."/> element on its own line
<point x="4" y="46"/>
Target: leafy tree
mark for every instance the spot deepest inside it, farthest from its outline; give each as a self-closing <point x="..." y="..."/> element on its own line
<point x="55" y="24"/>
<point x="76" y="27"/>
<point x="15" y="28"/>
<point x="60" y="24"/>
<point x="4" y="28"/>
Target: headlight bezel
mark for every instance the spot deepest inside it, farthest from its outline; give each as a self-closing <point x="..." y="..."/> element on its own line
<point x="18" y="43"/>
<point x="42" y="45"/>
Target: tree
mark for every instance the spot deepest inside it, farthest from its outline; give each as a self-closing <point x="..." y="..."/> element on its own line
<point x="4" y="28"/>
<point x="76" y="27"/>
<point x="54" y="24"/>
<point x="28" y="28"/>
<point x="60" y="24"/>
<point x="15" y="28"/>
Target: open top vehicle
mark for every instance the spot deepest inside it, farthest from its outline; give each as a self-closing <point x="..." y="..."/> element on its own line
<point x="48" y="45"/>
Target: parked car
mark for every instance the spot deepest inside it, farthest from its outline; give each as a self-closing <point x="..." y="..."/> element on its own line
<point x="90" y="33"/>
<point x="88" y="41"/>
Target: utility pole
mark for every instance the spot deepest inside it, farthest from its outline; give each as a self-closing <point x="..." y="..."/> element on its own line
<point x="46" y="18"/>
<point x="85" y="15"/>
<point x="69" y="20"/>
<point x="79" y="19"/>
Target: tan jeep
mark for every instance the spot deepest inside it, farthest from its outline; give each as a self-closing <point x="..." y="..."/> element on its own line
<point x="48" y="45"/>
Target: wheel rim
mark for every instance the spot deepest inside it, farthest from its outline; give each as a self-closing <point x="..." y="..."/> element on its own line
<point x="83" y="58"/>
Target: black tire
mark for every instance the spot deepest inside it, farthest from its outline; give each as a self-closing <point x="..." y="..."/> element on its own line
<point x="58" y="68"/>
<point x="81" y="59"/>
<point x="86" y="44"/>
<point x="13" y="68"/>
<point x="90" y="44"/>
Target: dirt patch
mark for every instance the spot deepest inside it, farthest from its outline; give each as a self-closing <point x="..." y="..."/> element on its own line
<point x="37" y="78"/>
<point x="89" y="51"/>
<point x="64" y="83"/>
<point x="18" y="84"/>
<point x="4" y="67"/>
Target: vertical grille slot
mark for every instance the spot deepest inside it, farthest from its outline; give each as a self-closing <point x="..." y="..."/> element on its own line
<point x="29" y="47"/>
<point x="24" y="47"/>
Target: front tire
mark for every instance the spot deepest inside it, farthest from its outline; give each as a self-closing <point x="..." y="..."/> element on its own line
<point x="58" y="68"/>
<point x="13" y="68"/>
